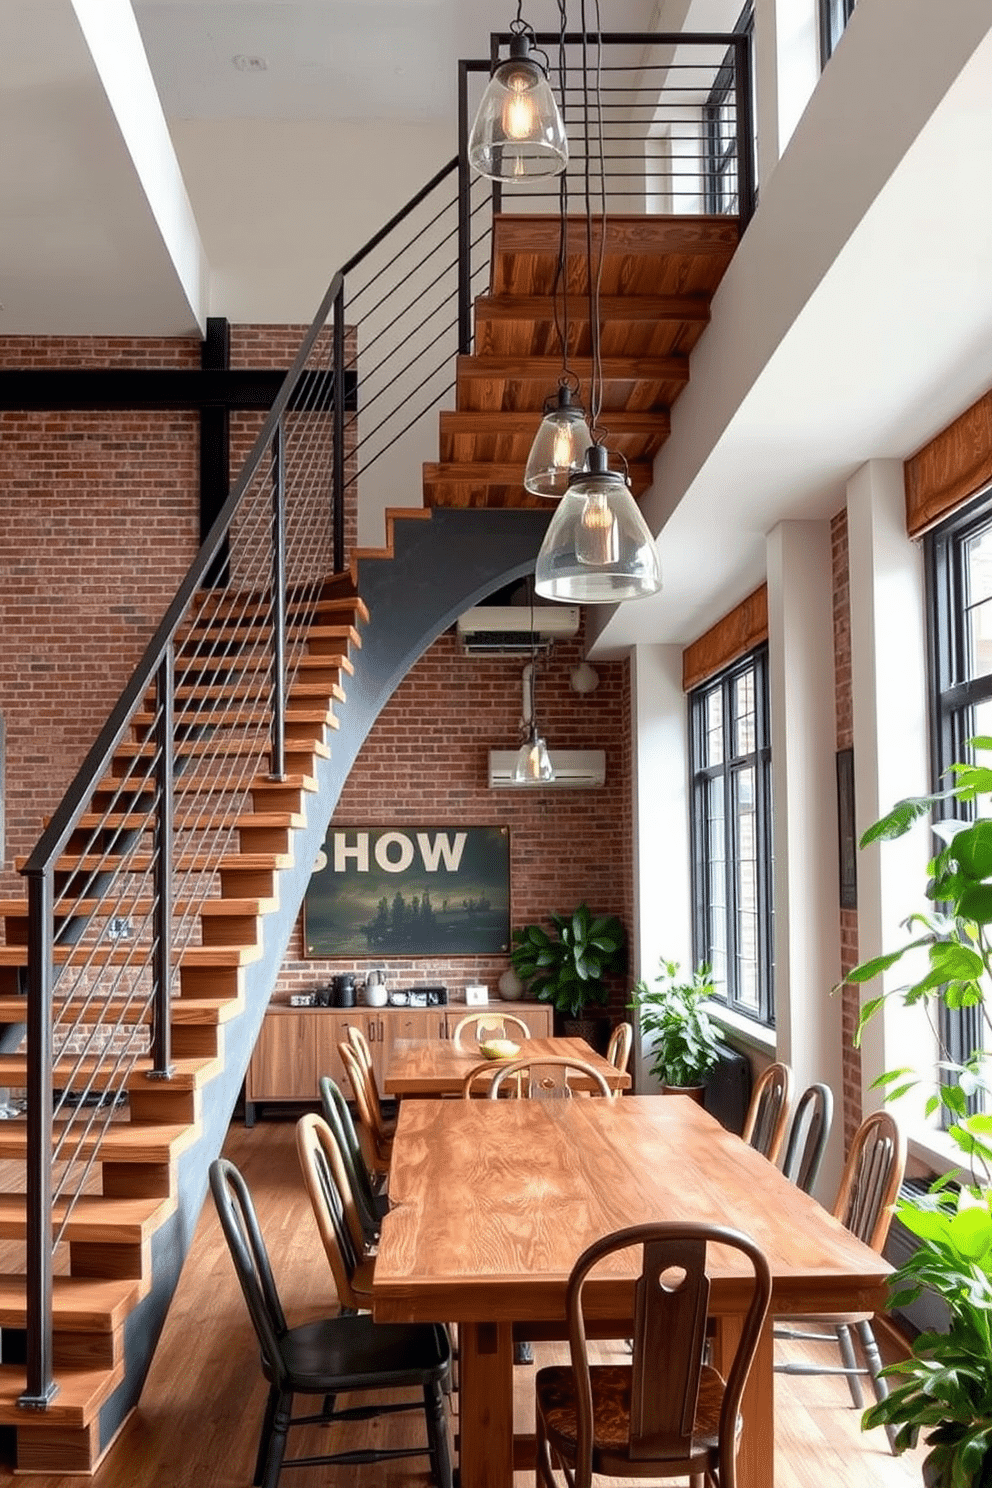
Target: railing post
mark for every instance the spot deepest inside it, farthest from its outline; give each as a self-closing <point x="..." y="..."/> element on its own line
<point x="40" y="1385"/>
<point x="464" y="219"/>
<point x="277" y="763"/>
<point x="161" y="1050"/>
<point x="745" y="128"/>
<point x="339" y="411"/>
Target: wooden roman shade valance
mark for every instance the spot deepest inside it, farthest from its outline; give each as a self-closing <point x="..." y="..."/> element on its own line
<point x="952" y="468"/>
<point x="733" y="636"/>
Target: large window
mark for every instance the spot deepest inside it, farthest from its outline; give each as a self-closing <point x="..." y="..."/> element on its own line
<point x="834" y="16"/>
<point x="731" y="828"/>
<point x="959" y="610"/>
<point x="720" y="120"/>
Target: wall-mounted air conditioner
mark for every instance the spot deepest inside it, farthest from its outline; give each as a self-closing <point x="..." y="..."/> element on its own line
<point x="506" y="629"/>
<point x="578" y="769"/>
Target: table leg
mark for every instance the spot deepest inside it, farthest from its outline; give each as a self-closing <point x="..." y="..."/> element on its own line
<point x="756" y="1453"/>
<point x="485" y="1405"/>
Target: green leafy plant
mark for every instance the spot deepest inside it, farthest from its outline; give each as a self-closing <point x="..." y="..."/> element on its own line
<point x="570" y="966"/>
<point x="686" y="1041"/>
<point x="945" y="1387"/>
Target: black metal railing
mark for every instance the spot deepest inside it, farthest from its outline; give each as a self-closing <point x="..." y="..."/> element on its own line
<point x="133" y="863"/>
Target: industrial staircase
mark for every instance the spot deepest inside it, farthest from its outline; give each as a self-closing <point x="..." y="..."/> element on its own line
<point x="164" y="891"/>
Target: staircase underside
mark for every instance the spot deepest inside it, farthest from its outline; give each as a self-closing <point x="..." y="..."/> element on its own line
<point x="659" y="275"/>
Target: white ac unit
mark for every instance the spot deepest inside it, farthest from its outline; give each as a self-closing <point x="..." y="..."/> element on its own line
<point x="576" y="769"/>
<point x="506" y="629"/>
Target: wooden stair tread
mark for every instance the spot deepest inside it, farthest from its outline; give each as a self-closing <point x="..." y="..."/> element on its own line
<point x="80" y="1304"/>
<point x="128" y="749"/>
<point x="538" y="307"/>
<point x="199" y="645"/>
<point x="217" y="691"/>
<point x="192" y="783"/>
<point x="215" y="719"/>
<point x="186" y="862"/>
<point x="188" y="1074"/>
<point x="547" y="370"/>
<point x="218" y="906"/>
<point x="80" y="1395"/>
<point x="189" y="1011"/>
<point x="330" y="660"/>
<point x="122" y="1142"/>
<point x="94" y="1219"/>
<point x="124" y="955"/>
<point x="187" y="821"/>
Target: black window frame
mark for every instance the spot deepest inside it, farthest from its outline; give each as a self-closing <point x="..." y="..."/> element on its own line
<point x="701" y="775"/>
<point x="952" y="696"/>
<point x="834" y="16"/>
<point x="721" y="175"/>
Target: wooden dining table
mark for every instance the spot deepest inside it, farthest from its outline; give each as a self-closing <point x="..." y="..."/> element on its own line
<point x="422" y="1067"/>
<point x="493" y="1201"/>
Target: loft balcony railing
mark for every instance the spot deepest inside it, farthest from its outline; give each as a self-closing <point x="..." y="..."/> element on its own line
<point x="118" y="881"/>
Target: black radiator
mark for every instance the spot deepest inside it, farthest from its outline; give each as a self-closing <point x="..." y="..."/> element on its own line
<point x="728" y="1090"/>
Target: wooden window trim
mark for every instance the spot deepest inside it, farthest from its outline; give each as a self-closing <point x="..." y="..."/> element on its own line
<point x="740" y="631"/>
<point x="949" y="470"/>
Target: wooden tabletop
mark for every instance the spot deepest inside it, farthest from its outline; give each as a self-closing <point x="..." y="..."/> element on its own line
<point x="436" y="1067"/>
<point x="492" y="1202"/>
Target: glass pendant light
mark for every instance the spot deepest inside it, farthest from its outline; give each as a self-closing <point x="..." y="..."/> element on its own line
<point x="518" y="132"/>
<point x="598" y="548"/>
<point x="559" y="447"/>
<point x="533" y="762"/>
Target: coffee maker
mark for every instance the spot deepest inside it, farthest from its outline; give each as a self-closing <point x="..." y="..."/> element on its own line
<point x="343" y="990"/>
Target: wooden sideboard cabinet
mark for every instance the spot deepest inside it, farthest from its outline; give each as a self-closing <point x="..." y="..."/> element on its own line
<point x="298" y="1045"/>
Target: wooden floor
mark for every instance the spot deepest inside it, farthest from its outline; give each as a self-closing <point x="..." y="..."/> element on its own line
<point x="199" y="1415"/>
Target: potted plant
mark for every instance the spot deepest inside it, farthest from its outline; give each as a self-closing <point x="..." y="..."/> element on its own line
<point x="686" y="1041"/>
<point x="570" y="967"/>
<point x="945" y="1386"/>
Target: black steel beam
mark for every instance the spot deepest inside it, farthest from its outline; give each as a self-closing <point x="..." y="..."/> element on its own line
<point x="107" y="388"/>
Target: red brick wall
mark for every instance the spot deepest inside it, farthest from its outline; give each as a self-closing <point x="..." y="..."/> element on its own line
<point x="101" y="522"/>
<point x="425" y="762"/>
<point x="852" y="1112"/>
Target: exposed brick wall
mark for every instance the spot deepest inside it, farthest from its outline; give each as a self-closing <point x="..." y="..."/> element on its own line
<point x="101" y="522"/>
<point x="425" y="762"/>
<point x="852" y="1112"/>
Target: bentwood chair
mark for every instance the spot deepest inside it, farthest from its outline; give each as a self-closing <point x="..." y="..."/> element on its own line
<point x="330" y="1356"/>
<point x="378" y="1131"/>
<point x="768" y="1112"/>
<point x="335" y="1211"/>
<point x="371" y="1205"/>
<point x="618" y="1049"/>
<point x="667" y="1413"/>
<point x="360" y="1044"/>
<point x="868" y="1189"/>
<point x="808" y="1135"/>
<point x="547" y="1077"/>
<point x="476" y="1028"/>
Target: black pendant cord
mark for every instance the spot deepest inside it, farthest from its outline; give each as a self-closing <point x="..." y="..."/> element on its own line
<point x="594" y="262"/>
<point x="568" y="378"/>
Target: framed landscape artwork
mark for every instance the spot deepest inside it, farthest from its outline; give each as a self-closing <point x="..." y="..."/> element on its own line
<point x="409" y="891"/>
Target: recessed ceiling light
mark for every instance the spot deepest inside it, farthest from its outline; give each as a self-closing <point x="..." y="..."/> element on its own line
<point x="250" y="64"/>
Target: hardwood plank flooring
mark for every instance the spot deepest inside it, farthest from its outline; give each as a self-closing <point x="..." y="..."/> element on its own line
<point x="198" y="1419"/>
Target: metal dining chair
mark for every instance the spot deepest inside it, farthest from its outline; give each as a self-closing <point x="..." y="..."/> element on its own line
<point x="371" y="1205"/>
<point x="868" y="1189"/>
<point x="768" y="1112"/>
<point x="667" y="1413"/>
<point x="483" y="1026"/>
<point x="808" y="1136"/>
<point x="329" y="1356"/>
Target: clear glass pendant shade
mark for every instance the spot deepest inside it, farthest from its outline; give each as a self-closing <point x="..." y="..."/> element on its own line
<point x="559" y="449"/>
<point x="598" y="548"/>
<point x="518" y="132"/>
<point x="533" y="761"/>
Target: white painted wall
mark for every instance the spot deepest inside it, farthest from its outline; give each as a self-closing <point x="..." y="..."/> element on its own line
<point x="662" y="913"/>
<point x="803" y="736"/>
<point x="888" y="667"/>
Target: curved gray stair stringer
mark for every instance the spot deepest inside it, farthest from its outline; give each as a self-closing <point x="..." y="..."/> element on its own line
<point x="437" y="569"/>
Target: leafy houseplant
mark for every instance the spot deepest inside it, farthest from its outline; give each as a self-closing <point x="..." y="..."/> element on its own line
<point x="946" y="1384"/>
<point x="687" y="1043"/>
<point x="569" y="967"/>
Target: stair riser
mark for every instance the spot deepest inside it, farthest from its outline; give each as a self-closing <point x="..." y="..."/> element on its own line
<point x="108" y="1261"/>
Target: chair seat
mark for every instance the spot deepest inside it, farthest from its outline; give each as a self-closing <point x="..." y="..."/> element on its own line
<point x="823" y="1320"/>
<point x="611" y="1393"/>
<point x="333" y="1355"/>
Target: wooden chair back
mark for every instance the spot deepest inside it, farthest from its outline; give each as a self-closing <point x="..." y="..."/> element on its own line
<point x="476" y="1028"/>
<point x="331" y="1200"/>
<point x="808" y="1135"/>
<point x="369" y="1111"/>
<point x="669" y="1341"/>
<point x="547" y="1077"/>
<point x="768" y="1112"/>
<point x="360" y="1044"/>
<point x="871" y="1179"/>
<point x="618" y="1049"/>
